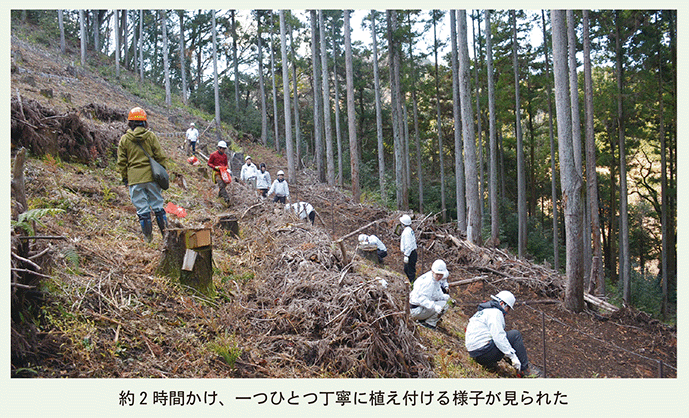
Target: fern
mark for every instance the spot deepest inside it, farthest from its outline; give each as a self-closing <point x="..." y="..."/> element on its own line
<point x="25" y="220"/>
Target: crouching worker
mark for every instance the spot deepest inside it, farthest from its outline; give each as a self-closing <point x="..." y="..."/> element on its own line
<point x="487" y="341"/>
<point x="427" y="301"/>
<point x="303" y="209"/>
<point x="135" y="168"/>
<point x="381" y="249"/>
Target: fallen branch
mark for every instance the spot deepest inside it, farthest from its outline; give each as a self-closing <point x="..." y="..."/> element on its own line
<point x="600" y="303"/>
<point x="41" y="237"/>
<point x="467" y="281"/>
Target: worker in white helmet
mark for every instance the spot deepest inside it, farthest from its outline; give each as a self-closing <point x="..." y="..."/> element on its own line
<point x="408" y="248"/>
<point x="249" y="173"/>
<point x="280" y="188"/>
<point x="427" y="301"/>
<point x="192" y="136"/>
<point x="487" y="341"/>
<point x="381" y="249"/>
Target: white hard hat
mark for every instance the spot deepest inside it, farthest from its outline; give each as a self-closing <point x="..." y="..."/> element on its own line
<point x="362" y="238"/>
<point x="248" y="157"/>
<point x="222" y="144"/>
<point x="281" y="172"/>
<point x="505" y="296"/>
<point x="192" y="124"/>
<point x="439" y="266"/>
<point x="406" y="220"/>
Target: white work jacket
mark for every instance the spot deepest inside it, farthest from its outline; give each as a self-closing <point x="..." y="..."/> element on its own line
<point x="486" y="325"/>
<point x="248" y="171"/>
<point x="407" y="241"/>
<point x="372" y="239"/>
<point x="280" y="188"/>
<point x="192" y="134"/>
<point x="427" y="292"/>
<point x="302" y="209"/>
<point x="263" y="180"/>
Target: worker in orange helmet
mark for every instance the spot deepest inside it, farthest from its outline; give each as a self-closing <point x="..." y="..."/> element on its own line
<point x="135" y="169"/>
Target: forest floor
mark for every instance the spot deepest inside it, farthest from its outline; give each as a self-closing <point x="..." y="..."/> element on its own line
<point x="287" y="303"/>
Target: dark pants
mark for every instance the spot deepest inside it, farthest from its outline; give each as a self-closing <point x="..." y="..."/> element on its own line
<point x="490" y="354"/>
<point x="381" y="255"/>
<point x="312" y="216"/>
<point x="222" y="188"/>
<point x="264" y="192"/>
<point x="193" y="147"/>
<point x="280" y="199"/>
<point x="410" y="267"/>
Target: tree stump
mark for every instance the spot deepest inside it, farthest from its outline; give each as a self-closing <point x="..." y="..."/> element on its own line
<point x="188" y="257"/>
<point x="229" y="223"/>
<point x="369" y="252"/>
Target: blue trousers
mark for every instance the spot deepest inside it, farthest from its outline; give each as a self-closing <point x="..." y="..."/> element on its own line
<point x="146" y="197"/>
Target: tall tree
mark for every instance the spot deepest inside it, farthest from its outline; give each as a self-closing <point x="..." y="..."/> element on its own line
<point x="182" y="55"/>
<point x="521" y="180"/>
<point x="235" y="61"/>
<point x="625" y="267"/>
<point x="596" y="278"/>
<point x="476" y="39"/>
<point x="459" y="156"/>
<point x="553" y="167"/>
<point x="291" y="166"/>
<point x="275" y="89"/>
<point x="379" y="109"/>
<point x="470" y="171"/>
<point x="261" y="83"/>
<point x="297" y="127"/>
<point x="141" y="45"/>
<point x="351" y="114"/>
<point x="663" y="181"/>
<point x="166" y="58"/>
<point x="570" y="179"/>
<point x="494" y="208"/>
<point x="415" y="108"/>
<point x="214" y="30"/>
<point x="435" y="16"/>
<point x="329" y="156"/>
<point x="395" y="93"/>
<point x="61" y="24"/>
<point x="317" y="112"/>
<point x="338" y="130"/>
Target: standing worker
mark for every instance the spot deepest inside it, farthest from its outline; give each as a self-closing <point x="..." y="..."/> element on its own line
<point x="263" y="180"/>
<point x="135" y="168"/>
<point x="427" y="301"/>
<point x="218" y="161"/>
<point x="280" y="188"/>
<point x="192" y="137"/>
<point x="249" y="173"/>
<point x="408" y="248"/>
<point x="487" y="341"/>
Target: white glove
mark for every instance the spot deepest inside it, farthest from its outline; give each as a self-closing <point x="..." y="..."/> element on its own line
<point x="515" y="362"/>
<point x="438" y="308"/>
<point x="406" y="259"/>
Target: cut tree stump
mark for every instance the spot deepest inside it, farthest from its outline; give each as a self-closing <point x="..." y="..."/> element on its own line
<point x="229" y="223"/>
<point x="188" y="257"/>
<point x="369" y="252"/>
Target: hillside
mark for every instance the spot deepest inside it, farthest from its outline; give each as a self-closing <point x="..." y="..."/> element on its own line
<point x="286" y="304"/>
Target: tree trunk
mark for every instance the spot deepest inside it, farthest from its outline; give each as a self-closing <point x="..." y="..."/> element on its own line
<point x="61" y="24"/>
<point x="317" y="100"/>
<point x="441" y="158"/>
<point x="182" y="57"/>
<point x="351" y="116"/>
<point x="338" y="131"/>
<point x="419" y="170"/>
<point x="460" y="184"/>
<point x="215" y="74"/>
<point x="553" y="168"/>
<point x="141" y="45"/>
<point x="470" y="172"/>
<point x="329" y="155"/>
<point x="494" y="208"/>
<point x="663" y="186"/>
<point x="569" y="177"/>
<point x="379" y="111"/>
<point x="295" y="97"/>
<point x="235" y="62"/>
<point x="261" y="83"/>
<point x="275" y="89"/>
<point x="479" y="158"/>
<point x="521" y="181"/>
<point x="625" y="268"/>
<point x="596" y="278"/>
<point x="166" y="61"/>
<point x="180" y="247"/>
<point x="291" y="166"/>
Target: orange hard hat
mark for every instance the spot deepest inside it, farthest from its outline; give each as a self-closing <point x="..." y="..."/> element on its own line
<point x="137" y="113"/>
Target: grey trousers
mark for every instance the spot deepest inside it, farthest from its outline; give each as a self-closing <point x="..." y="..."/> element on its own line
<point x="490" y="354"/>
<point x="430" y="316"/>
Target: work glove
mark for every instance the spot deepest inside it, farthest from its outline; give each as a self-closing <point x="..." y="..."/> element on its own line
<point x="515" y="362"/>
<point x="406" y="259"/>
<point x="438" y="308"/>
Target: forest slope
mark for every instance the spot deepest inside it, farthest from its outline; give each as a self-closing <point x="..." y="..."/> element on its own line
<point x="286" y="303"/>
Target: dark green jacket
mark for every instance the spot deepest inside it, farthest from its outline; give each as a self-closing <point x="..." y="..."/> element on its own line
<point x="132" y="163"/>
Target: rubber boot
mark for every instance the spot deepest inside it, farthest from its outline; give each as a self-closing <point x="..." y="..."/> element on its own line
<point x="161" y="220"/>
<point x="146" y="226"/>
